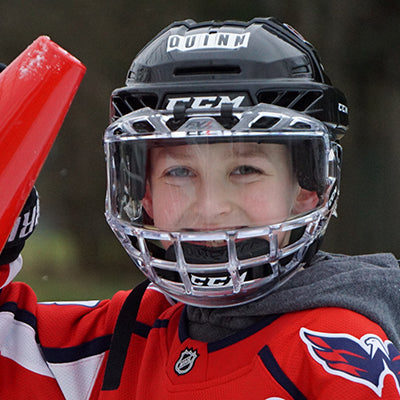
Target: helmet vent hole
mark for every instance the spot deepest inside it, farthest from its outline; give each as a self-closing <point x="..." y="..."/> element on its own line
<point x="175" y="124"/>
<point x="150" y="100"/>
<point x="143" y="127"/>
<point x="140" y="101"/>
<point x="265" y="123"/>
<point x="301" y="126"/>
<point x="296" y="100"/>
<point x="301" y="70"/>
<point x="287" y="99"/>
<point x="120" y="107"/>
<point x="306" y="100"/>
<point x="126" y="104"/>
<point x="208" y="70"/>
<point x="267" y="97"/>
<point x="284" y="98"/>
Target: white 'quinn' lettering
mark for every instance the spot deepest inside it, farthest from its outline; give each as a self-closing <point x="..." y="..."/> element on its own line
<point x="225" y="40"/>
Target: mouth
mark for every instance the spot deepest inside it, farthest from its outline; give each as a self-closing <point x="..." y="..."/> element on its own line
<point x="212" y="251"/>
<point x="215" y="228"/>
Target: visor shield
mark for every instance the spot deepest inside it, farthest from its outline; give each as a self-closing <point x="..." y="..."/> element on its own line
<point x="218" y="210"/>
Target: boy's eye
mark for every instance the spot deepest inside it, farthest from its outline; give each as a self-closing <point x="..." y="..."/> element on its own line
<point x="179" y="172"/>
<point x="246" y="170"/>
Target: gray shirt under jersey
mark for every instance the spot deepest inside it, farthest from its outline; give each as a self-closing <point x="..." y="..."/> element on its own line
<point x="368" y="284"/>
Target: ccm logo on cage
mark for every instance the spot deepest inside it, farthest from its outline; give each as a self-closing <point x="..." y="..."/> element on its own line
<point x="215" y="281"/>
<point x="221" y="40"/>
<point x="204" y="101"/>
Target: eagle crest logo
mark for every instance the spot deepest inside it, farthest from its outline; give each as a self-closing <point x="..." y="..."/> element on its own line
<point x="366" y="360"/>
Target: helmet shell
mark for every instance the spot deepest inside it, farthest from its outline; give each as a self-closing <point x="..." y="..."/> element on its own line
<point x="241" y="63"/>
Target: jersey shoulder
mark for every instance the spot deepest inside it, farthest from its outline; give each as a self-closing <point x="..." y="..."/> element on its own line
<point x="340" y="348"/>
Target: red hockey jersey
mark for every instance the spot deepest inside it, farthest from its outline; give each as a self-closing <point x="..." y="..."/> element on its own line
<point x="103" y="350"/>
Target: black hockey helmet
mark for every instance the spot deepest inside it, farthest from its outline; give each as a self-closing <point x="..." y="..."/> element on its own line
<point x="233" y="85"/>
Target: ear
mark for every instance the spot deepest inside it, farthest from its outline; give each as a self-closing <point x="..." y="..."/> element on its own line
<point x="147" y="201"/>
<point x="305" y="201"/>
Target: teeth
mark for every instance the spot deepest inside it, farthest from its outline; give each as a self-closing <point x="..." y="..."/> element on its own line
<point x="216" y="243"/>
<point x="211" y="243"/>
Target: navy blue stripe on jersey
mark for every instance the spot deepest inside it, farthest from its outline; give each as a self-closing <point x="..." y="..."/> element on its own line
<point x="182" y="327"/>
<point x="141" y="329"/>
<point x="126" y="325"/>
<point x="19" y="314"/>
<point x="161" y="323"/>
<point x="70" y="354"/>
<point x="275" y="370"/>
<point x="242" y="334"/>
<point x="231" y="339"/>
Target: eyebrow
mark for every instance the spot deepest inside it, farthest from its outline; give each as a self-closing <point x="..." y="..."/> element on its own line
<point x="250" y="151"/>
<point x="241" y="150"/>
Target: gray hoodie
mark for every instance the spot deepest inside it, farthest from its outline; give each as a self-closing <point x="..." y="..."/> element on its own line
<point x="368" y="284"/>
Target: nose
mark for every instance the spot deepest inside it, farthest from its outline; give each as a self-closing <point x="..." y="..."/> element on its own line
<point x="214" y="204"/>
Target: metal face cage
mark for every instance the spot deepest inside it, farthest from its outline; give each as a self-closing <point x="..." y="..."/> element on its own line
<point x="252" y="260"/>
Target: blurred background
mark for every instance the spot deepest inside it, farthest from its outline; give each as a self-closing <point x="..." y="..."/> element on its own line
<point x="73" y="254"/>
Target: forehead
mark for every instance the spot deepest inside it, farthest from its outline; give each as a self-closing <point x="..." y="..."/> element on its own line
<point x="270" y="151"/>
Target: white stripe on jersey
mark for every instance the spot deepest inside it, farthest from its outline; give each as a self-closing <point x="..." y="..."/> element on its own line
<point x="76" y="379"/>
<point x="14" y="268"/>
<point x="17" y="342"/>
<point x="85" y="303"/>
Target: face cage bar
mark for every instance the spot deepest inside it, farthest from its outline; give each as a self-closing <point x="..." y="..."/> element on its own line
<point x="239" y="291"/>
<point x="286" y="122"/>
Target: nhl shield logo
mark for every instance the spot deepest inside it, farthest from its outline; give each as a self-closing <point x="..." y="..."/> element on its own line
<point x="186" y="361"/>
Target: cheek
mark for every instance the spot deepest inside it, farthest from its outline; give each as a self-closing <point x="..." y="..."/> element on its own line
<point x="169" y="204"/>
<point x="267" y="205"/>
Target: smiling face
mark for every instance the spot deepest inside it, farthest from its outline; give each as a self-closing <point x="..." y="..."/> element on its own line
<point x="224" y="185"/>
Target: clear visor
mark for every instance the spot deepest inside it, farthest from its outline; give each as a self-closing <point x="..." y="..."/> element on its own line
<point x="213" y="178"/>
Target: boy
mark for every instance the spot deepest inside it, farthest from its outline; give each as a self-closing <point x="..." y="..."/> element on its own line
<point x="223" y="172"/>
